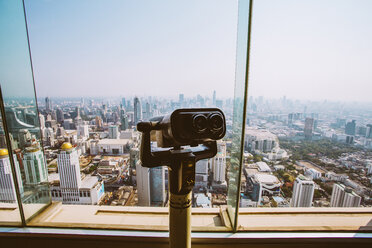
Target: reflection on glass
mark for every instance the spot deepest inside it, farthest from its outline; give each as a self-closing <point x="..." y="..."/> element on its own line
<point x="9" y="212"/>
<point x="234" y="170"/>
<point x="21" y="116"/>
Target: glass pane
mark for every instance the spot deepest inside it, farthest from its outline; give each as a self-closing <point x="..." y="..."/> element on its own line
<point x="136" y="61"/>
<point x="21" y="112"/>
<point x="240" y="95"/>
<point x="9" y="211"/>
<point x="308" y="139"/>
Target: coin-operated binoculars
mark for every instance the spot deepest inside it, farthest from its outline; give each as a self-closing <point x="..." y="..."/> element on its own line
<point x="183" y="138"/>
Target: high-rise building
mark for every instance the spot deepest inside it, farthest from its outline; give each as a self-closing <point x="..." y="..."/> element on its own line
<point x="69" y="173"/>
<point x="369" y="131"/>
<point x="60" y="115"/>
<point x="34" y="165"/>
<point x="137" y="110"/>
<point x="124" y="125"/>
<point x="303" y="192"/>
<point x="24" y="138"/>
<point x="42" y="121"/>
<point x="214" y="98"/>
<point x="48" y="104"/>
<point x="99" y="122"/>
<point x="219" y="163"/>
<point x="114" y="132"/>
<point x="343" y="196"/>
<point x="150" y="185"/>
<point x="308" y="130"/>
<point x="181" y="99"/>
<point x="72" y="189"/>
<point x="350" y="127"/>
<point x="7" y="188"/>
<point x="123" y="102"/>
<point x="83" y="131"/>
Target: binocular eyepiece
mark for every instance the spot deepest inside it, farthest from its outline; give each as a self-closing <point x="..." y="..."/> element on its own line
<point x="187" y="127"/>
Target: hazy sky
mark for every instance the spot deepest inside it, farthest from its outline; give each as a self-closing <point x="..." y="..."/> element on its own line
<point x="312" y="49"/>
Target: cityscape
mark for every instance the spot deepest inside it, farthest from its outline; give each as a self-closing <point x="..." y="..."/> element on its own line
<point x="296" y="153"/>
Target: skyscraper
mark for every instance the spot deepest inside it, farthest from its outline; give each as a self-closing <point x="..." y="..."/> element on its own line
<point x="219" y="163"/>
<point x="308" y="130"/>
<point x="60" y="115"/>
<point x="48" y="104"/>
<point x="343" y="196"/>
<point x="350" y="127"/>
<point x="303" y="192"/>
<point x="7" y="188"/>
<point x="34" y="165"/>
<point x="123" y="120"/>
<point x="69" y="172"/>
<point x="114" y="132"/>
<point x="137" y="110"/>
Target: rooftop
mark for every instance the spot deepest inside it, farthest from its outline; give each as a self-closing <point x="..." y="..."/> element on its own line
<point x="113" y="141"/>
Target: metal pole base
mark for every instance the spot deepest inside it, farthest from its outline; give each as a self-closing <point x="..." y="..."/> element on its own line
<point x="180" y="221"/>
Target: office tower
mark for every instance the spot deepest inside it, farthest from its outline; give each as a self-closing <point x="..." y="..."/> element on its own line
<point x="290" y="119"/>
<point x="69" y="173"/>
<point x="137" y="111"/>
<point x="148" y="113"/>
<point x="157" y="186"/>
<point x="7" y="187"/>
<point x="369" y="131"/>
<point x="42" y="121"/>
<point x="214" y="98"/>
<point x="60" y="115"/>
<point x="99" y="123"/>
<point x="219" y="163"/>
<point x="114" y="132"/>
<point x="303" y="192"/>
<point x="123" y="102"/>
<point x="48" y="104"/>
<point x="344" y="197"/>
<point x="143" y="184"/>
<point x="24" y="138"/>
<point x="181" y="99"/>
<point x="124" y="125"/>
<point x="34" y="165"/>
<point x="350" y="127"/>
<point x="308" y="130"/>
<point x="83" y="131"/>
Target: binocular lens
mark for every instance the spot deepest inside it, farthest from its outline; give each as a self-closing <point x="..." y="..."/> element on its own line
<point x="200" y="123"/>
<point x="216" y="122"/>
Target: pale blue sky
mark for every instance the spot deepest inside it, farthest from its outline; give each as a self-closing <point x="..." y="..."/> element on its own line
<point x="314" y="49"/>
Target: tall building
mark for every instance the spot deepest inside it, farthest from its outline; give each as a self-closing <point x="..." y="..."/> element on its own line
<point x="343" y="196"/>
<point x="113" y="132"/>
<point x="69" y="172"/>
<point x="150" y="185"/>
<point x="181" y="99"/>
<point x="219" y="163"/>
<point x="24" y="138"/>
<point x="303" y="192"/>
<point x="83" y="131"/>
<point x="350" y="127"/>
<point x="34" y="165"/>
<point x="137" y="110"/>
<point x="71" y="188"/>
<point x="123" y="102"/>
<point x="60" y="115"/>
<point x="214" y="98"/>
<point x="369" y="131"/>
<point x="7" y="187"/>
<point x="308" y="129"/>
<point x="124" y="125"/>
<point x="42" y="121"/>
<point x="48" y="104"/>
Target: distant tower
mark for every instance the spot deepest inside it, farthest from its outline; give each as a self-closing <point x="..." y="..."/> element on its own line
<point x="214" y="98"/>
<point x="137" y="110"/>
<point x="123" y="120"/>
<point x="48" y="104"/>
<point x="123" y="102"/>
<point x="350" y="127"/>
<point x="114" y="132"/>
<point x="69" y="173"/>
<point x="143" y="184"/>
<point x="303" y="192"/>
<point x="83" y="131"/>
<point x="34" y="165"/>
<point x="42" y="121"/>
<point x="7" y="188"/>
<point x="219" y="163"/>
<point x="344" y="197"/>
<point x="308" y="130"/>
<point x="60" y="115"/>
<point x="181" y="99"/>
